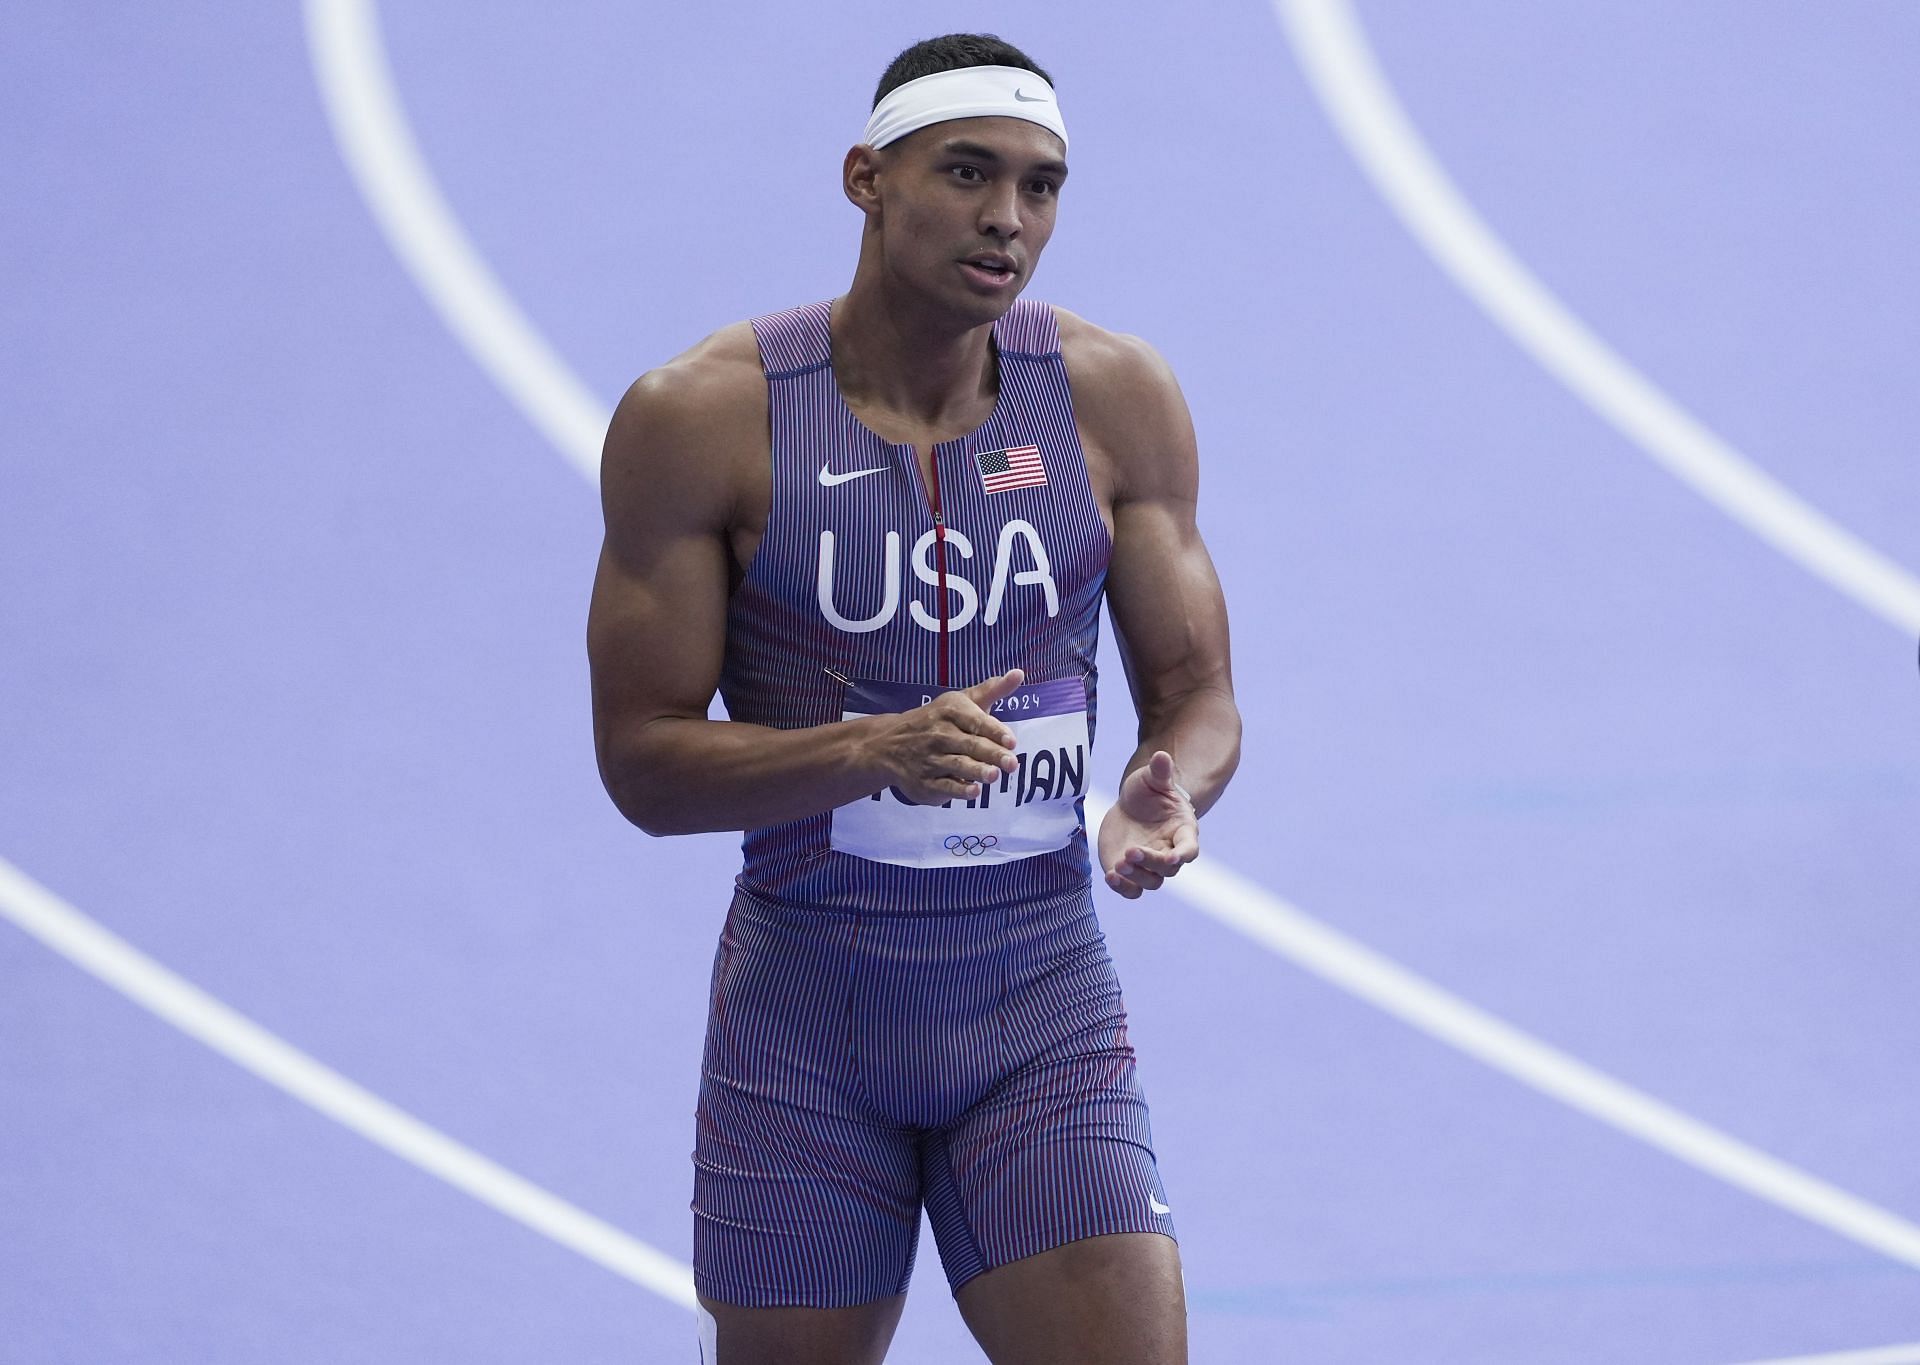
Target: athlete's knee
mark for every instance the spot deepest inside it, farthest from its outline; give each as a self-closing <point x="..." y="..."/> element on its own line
<point x="858" y="1335"/>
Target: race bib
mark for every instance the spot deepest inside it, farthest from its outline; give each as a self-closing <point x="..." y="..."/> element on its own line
<point x="1033" y="809"/>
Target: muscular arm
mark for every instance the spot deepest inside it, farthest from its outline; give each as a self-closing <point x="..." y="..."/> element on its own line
<point x="1169" y="617"/>
<point x="656" y="633"/>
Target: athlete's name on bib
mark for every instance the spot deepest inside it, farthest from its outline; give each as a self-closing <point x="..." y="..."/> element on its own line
<point x="1043" y="774"/>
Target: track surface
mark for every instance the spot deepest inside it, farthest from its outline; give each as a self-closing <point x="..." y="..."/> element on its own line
<point x="293" y="693"/>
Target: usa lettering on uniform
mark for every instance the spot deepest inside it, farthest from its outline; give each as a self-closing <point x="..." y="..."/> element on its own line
<point x="1016" y="533"/>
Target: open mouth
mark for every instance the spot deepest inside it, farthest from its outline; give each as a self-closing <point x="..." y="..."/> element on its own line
<point x="992" y="271"/>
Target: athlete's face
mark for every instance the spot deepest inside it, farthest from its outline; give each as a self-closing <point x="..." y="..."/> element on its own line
<point x="964" y="209"/>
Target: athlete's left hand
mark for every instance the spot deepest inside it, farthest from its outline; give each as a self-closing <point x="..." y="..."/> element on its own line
<point x="1151" y="832"/>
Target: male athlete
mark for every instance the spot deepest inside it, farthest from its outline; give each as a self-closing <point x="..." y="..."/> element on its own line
<point x="882" y="526"/>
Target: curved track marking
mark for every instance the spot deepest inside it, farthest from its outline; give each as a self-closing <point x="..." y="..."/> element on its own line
<point x="379" y="148"/>
<point x="346" y="31"/>
<point x="1332" y="49"/>
<point x="1879" y="1355"/>
<point x="179" y="1002"/>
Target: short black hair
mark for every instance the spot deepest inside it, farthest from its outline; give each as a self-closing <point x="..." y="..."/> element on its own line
<point x="950" y="52"/>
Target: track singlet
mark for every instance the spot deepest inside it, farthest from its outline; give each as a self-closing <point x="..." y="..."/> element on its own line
<point x="872" y="589"/>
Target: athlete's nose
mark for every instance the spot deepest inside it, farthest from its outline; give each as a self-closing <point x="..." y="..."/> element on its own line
<point x="1000" y="213"/>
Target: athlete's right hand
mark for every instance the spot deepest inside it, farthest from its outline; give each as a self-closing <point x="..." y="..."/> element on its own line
<point x="944" y="750"/>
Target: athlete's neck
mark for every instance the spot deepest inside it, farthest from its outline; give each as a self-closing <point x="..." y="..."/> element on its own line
<point x="895" y="358"/>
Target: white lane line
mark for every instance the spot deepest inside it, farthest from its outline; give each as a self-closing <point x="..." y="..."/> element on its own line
<point x="1275" y="924"/>
<point x="104" y="954"/>
<point x="1332" y="49"/>
<point x="1252" y="910"/>
<point x="351" y="67"/>
<point x="1879" y="1355"/>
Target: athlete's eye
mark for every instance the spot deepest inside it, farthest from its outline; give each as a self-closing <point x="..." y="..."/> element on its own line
<point x="968" y="172"/>
<point x="1043" y="187"/>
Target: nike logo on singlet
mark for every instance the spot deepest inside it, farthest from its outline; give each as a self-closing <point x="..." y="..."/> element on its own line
<point x="828" y="478"/>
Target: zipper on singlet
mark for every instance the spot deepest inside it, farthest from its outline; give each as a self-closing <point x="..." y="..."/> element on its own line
<point x="939" y="558"/>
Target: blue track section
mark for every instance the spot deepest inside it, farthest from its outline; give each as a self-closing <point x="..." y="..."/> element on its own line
<point x="293" y="686"/>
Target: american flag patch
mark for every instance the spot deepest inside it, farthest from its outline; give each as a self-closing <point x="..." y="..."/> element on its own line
<point x="1014" y="467"/>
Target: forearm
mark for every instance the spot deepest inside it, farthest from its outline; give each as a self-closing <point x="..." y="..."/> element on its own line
<point x="1201" y="729"/>
<point x="685" y="776"/>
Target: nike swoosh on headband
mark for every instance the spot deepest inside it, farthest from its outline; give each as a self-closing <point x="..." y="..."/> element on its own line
<point x="1030" y="99"/>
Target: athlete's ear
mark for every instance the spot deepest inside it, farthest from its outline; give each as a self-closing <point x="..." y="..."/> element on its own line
<point x="859" y="178"/>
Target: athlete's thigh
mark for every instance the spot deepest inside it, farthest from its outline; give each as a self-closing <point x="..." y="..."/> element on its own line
<point x="1061" y="1147"/>
<point x="1113" y="1300"/>
<point x="803" y="1336"/>
<point x="802" y="1197"/>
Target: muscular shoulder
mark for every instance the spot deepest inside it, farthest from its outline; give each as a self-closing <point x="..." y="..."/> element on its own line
<point x="692" y="399"/>
<point x="1107" y="360"/>
<point x="1127" y="400"/>
<point x="683" y="433"/>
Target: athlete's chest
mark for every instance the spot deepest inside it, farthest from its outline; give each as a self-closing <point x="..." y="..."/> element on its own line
<point x="994" y="539"/>
<point x="903" y="482"/>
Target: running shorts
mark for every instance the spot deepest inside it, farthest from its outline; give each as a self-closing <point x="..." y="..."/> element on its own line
<point x="861" y="1066"/>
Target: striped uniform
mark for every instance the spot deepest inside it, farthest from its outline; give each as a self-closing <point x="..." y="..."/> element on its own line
<point x="883" y="1033"/>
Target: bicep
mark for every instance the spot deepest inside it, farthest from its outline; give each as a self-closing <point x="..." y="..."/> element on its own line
<point x="657" y="620"/>
<point x="1169" y="615"/>
<point x="655" y="631"/>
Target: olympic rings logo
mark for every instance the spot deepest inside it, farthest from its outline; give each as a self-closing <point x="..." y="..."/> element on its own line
<point x="970" y="845"/>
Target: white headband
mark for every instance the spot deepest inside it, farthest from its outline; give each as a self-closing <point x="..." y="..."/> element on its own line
<point x="964" y="92"/>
